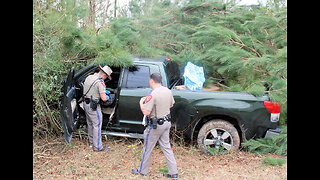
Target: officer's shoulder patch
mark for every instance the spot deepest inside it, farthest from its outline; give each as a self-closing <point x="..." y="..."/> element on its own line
<point x="148" y="98"/>
<point x="102" y="82"/>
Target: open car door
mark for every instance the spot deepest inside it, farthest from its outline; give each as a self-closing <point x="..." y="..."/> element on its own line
<point x="69" y="108"/>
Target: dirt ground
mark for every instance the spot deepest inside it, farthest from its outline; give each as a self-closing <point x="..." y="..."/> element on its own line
<point x="54" y="159"/>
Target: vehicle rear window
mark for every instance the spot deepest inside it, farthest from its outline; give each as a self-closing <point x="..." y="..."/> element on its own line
<point x="173" y="72"/>
<point x="138" y="77"/>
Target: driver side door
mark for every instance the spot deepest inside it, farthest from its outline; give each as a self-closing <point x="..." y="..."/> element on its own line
<point x="68" y="106"/>
<point x="135" y="85"/>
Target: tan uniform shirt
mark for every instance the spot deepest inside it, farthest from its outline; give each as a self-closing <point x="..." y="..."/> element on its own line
<point x="159" y="102"/>
<point x="97" y="88"/>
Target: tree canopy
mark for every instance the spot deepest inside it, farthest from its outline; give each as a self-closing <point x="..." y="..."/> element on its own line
<point x="242" y="48"/>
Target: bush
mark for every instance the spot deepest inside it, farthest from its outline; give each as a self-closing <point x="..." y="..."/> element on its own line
<point x="244" y="49"/>
<point x="277" y="144"/>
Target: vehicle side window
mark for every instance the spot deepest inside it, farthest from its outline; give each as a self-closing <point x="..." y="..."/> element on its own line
<point x="138" y="77"/>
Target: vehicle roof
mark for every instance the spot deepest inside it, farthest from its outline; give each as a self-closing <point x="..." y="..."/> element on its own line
<point x="160" y="60"/>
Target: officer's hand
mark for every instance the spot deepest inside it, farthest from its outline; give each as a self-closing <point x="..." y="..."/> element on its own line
<point x="142" y="100"/>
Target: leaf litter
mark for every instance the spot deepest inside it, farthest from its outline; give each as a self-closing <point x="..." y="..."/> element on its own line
<point x="54" y="159"/>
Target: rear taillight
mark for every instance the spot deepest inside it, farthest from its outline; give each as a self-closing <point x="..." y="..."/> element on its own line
<point x="274" y="108"/>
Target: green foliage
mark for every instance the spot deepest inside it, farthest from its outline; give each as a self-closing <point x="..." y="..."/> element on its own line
<point x="164" y="169"/>
<point x="273" y="161"/>
<point x="242" y="48"/>
<point x="213" y="151"/>
<point x="277" y="144"/>
<point x="245" y="47"/>
<point x="111" y="50"/>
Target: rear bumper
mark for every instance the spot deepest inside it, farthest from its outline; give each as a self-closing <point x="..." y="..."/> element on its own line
<point x="272" y="132"/>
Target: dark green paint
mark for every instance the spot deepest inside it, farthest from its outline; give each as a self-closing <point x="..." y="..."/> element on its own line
<point x="246" y="111"/>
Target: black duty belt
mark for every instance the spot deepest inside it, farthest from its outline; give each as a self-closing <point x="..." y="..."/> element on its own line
<point x="87" y="100"/>
<point x="93" y="102"/>
<point x="158" y="121"/>
<point x="166" y="118"/>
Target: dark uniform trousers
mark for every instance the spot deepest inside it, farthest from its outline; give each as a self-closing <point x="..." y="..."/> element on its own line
<point x="94" y="121"/>
<point x="161" y="135"/>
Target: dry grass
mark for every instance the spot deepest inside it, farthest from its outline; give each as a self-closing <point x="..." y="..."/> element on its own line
<point x="54" y="159"/>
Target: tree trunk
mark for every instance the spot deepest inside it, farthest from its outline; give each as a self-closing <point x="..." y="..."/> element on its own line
<point x="115" y="8"/>
<point x="92" y="13"/>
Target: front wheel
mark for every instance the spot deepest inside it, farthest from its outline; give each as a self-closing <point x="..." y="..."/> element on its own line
<point x="218" y="134"/>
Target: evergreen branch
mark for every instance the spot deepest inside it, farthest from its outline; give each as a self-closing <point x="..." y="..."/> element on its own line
<point x="232" y="41"/>
<point x="276" y="90"/>
<point x="168" y="11"/>
<point x="176" y="51"/>
<point x="160" y="27"/>
<point x="281" y="28"/>
<point x="225" y="12"/>
<point x="203" y="4"/>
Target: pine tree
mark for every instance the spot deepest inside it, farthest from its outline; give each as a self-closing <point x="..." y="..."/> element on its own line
<point x="245" y="48"/>
<point x="242" y="48"/>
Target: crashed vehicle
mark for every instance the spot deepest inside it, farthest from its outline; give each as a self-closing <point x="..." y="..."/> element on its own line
<point x="212" y="119"/>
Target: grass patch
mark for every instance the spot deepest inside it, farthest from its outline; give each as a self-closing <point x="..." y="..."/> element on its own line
<point x="164" y="169"/>
<point x="273" y="161"/>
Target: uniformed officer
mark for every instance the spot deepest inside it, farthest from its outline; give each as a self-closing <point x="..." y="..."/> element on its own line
<point x="157" y="105"/>
<point x="94" y="89"/>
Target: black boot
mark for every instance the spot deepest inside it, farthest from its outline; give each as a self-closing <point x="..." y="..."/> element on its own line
<point x="136" y="171"/>
<point x="173" y="176"/>
<point x="103" y="149"/>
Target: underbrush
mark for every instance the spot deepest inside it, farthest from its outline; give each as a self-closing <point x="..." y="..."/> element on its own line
<point x="277" y="144"/>
<point x="273" y="161"/>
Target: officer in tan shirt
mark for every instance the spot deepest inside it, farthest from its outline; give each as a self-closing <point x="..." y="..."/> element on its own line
<point x="94" y="89"/>
<point x="157" y="105"/>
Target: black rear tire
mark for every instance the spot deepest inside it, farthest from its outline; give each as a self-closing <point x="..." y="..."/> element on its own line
<point x="219" y="134"/>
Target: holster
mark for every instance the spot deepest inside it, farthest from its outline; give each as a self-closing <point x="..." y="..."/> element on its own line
<point x="87" y="100"/>
<point x="154" y="122"/>
<point x="93" y="103"/>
